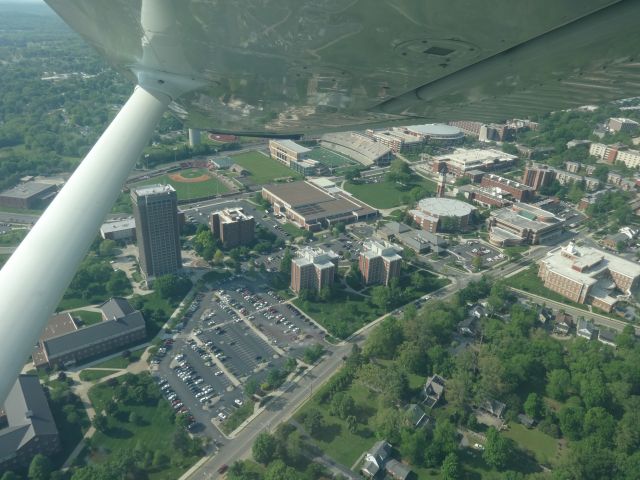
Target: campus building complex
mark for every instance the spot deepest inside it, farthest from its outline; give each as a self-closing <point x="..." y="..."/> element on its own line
<point x="155" y="209"/>
<point x="588" y="275"/>
<point x="442" y="214"/>
<point x="463" y="160"/>
<point x="523" y="224"/>
<point x="31" y="429"/>
<point x="618" y="152"/>
<point x="287" y="151"/>
<point x="396" y="139"/>
<point x="232" y="226"/>
<point x="312" y="207"/>
<point x="379" y="262"/>
<point x="64" y="342"/>
<point x="313" y="269"/>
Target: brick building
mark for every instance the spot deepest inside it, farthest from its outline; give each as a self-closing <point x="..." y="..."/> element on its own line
<point x="287" y="151"/>
<point x="232" y="226"/>
<point x="379" y="262"/>
<point x="63" y="342"/>
<point x="589" y="276"/>
<point x="313" y="269"/>
<point x="31" y="427"/>
<point x="519" y="191"/>
<point x="538" y="176"/>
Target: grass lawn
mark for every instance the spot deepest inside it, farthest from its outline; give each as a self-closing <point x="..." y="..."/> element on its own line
<point x="187" y="190"/>
<point x="70" y="417"/>
<point x="237" y="417"/>
<point x="154" y="432"/>
<point x="87" y="317"/>
<point x="119" y="361"/>
<point x="528" y="281"/>
<point x="90" y="375"/>
<point x="263" y="169"/>
<point x="543" y="447"/>
<point x="329" y="158"/>
<point x="13" y="238"/>
<point x="335" y="439"/>
<point x="386" y="194"/>
<point x="343" y="315"/>
<point x="3" y="259"/>
<point x="292" y="230"/>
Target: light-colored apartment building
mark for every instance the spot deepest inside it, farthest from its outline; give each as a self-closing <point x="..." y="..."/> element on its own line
<point x="589" y="276"/>
<point x="287" y="151"/>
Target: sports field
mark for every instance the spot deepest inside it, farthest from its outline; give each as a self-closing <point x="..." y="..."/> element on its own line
<point x="386" y="194"/>
<point x="329" y="158"/>
<point x="189" y="183"/>
<point x="263" y="169"/>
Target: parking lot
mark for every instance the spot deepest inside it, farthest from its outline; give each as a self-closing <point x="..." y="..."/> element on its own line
<point x="470" y="249"/>
<point x="240" y="331"/>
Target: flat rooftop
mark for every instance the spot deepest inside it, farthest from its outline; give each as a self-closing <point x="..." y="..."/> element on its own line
<point x="381" y="248"/>
<point x="153" y="190"/>
<point x="524" y="216"/>
<point x="28" y="190"/>
<point x="470" y="158"/>
<point x="586" y="264"/>
<point x="232" y="215"/>
<point x="319" y="257"/>
<point x="118" y="225"/>
<point x="290" y="145"/>
<point x="313" y="203"/>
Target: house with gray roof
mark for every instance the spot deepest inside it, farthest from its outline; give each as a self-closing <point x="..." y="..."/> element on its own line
<point x="31" y="428"/>
<point x="397" y="470"/>
<point x="376" y="458"/>
<point x="121" y="326"/>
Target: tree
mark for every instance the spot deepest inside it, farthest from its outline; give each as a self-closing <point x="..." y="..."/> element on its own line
<point x="264" y="448"/>
<point x="571" y="418"/>
<point x="385" y="339"/>
<point x="100" y="423"/>
<point x="251" y="387"/>
<point x="39" y="468"/>
<point x="285" y="263"/>
<point x="9" y="475"/>
<point x="313" y="422"/>
<point x="352" y="423"/>
<point x="451" y="467"/>
<point x="351" y="174"/>
<point x="533" y="405"/>
<point x="160" y="459"/>
<point x="476" y="263"/>
<point x="172" y="286"/>
<point x="498" y="450"/>
<point x="278" y="470"/>
<point x="558" y="384"/>
<point x="218" y="257"/>
<point x="107" y="248"/>
<point x="445" y="441"/>
<point x="399" y="172"/>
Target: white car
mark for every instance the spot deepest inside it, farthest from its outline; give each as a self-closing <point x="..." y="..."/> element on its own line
<point x="238" y="402"/>
<point x="222" y="416"/>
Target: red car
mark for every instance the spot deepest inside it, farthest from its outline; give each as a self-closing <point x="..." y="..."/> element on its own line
<point x="223" y="468"/>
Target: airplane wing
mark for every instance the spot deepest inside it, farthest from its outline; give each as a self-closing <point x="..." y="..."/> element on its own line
<point x="290" y="67"/>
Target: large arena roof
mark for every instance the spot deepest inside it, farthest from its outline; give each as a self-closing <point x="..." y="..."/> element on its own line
<point x="436" y="130"/>
<point x="445" y="207"/>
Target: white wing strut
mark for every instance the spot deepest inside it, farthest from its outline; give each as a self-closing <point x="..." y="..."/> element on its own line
<point x="36" y="276"/>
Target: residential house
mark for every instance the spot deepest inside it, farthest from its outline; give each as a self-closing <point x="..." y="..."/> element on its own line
<point x="493" y="407"/>
<point x="612" y="241"/>
<point x="376" y="458"/>
<point x="607" y="337"/>
<point x="545" y="315"/>
<point x="467" y="327"/>
<point x="397" y="470"/>
<point x="585" y="329"/>
<point x="433" y="390"/>
<point x="415" y="415"/>
<point x="563" y="325"/>
<point x="526" y="420"/>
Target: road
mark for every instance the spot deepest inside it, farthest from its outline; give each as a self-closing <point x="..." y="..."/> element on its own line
<point x="278" y="410"/>
<point x="596" y="318"/>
